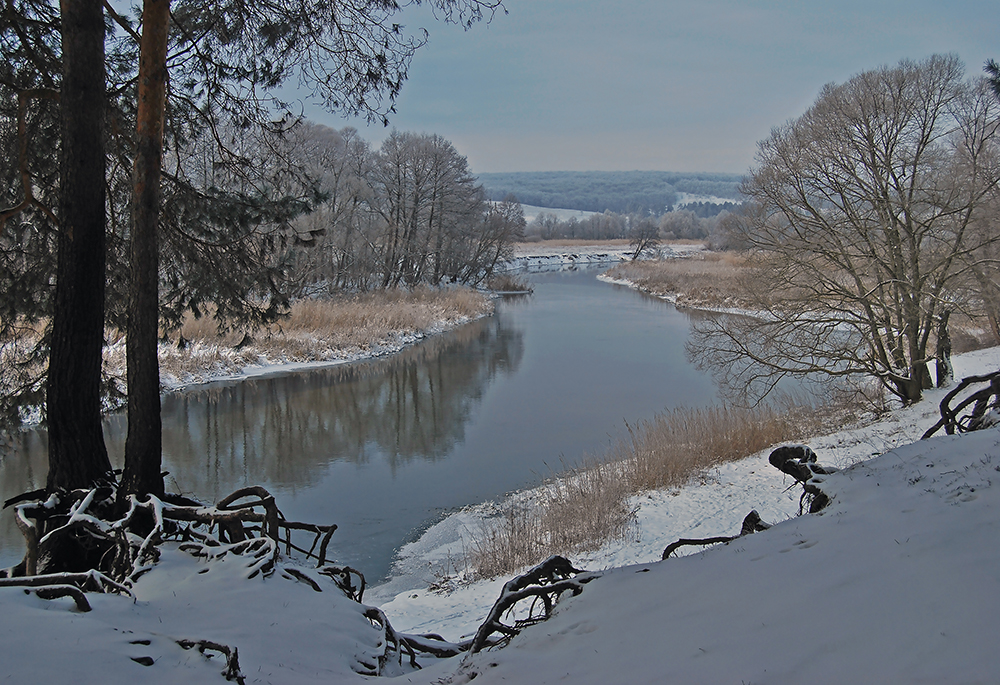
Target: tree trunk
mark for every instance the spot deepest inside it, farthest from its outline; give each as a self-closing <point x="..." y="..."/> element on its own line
<point x="944" y="368"/>
<point x="143" y="444"/>
<point x="77" y="453"/>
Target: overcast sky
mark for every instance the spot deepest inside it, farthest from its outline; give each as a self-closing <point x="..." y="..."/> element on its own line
<point x="657" y="84"/>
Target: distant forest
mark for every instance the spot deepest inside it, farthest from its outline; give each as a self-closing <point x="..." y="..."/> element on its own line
<point x="616" y="191"/>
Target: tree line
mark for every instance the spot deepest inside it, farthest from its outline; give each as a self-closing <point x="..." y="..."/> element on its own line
<point x="622" y="192"/>
<point x="408" y="212"/>
<point x="703" y="221"/>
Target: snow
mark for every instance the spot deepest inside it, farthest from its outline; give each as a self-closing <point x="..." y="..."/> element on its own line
<point x="533" y="257"/>
<point x="531" y="212"/>
<point x="897" y="581"/>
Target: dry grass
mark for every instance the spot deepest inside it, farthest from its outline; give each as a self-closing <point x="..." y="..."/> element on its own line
<point x="315" y="330"/>
<point x="583" y="508"/>
<point x="576" y="511"/>
<point x="507" y="282"/>
<point x="713" y="279"/>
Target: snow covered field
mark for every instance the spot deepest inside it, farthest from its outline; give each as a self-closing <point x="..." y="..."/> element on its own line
<point x="897" y="581"/>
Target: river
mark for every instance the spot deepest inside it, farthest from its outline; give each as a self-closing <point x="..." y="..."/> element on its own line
<point x="387" y="447"/>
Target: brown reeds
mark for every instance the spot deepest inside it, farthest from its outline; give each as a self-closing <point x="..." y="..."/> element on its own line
<point x="708" y="279"/>
<point x="314" y="330"/>
<point x="583" y="508"/>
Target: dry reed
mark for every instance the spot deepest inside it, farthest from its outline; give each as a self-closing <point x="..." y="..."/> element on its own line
<point x="314" y="330"/>
<point x="583" y="508"/>
<point x="708" y="279"/>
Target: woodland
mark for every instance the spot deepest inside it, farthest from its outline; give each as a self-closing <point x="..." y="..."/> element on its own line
<point x="152" y="172"/>
<point x="621" y="192"/>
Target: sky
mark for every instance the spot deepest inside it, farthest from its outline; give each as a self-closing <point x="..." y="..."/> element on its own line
<point x="656" y="84"/>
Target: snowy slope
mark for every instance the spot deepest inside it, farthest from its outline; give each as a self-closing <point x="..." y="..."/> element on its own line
<point x="898" y="581"/>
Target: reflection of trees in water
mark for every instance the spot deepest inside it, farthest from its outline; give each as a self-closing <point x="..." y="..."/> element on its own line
<point x="282" y="430"/>
<point x="23" y="467"/>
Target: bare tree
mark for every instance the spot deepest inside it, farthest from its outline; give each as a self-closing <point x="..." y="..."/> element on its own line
<point x="643" y="236"/>
<point x="864" y="230"/>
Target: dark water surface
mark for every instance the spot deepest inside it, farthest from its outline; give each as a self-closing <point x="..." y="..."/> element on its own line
<point x="385" y="448"/>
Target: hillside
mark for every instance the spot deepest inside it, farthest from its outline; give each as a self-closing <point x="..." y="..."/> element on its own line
<point x="617" y="191"/>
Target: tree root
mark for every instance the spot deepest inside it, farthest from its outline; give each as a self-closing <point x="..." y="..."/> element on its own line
<point x="542" y="585"/>
<point x="800" y="462"/>
<point x="984" y="413"/>
<point x="232" y="655"/>
<point x="752" y="523"/>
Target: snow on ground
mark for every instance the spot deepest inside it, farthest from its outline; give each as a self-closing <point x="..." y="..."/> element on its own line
<point x="531" y="212"/>
<point x="897" y="581"/>
<point x="226" y="363"/>
<point x="540" y="256"/>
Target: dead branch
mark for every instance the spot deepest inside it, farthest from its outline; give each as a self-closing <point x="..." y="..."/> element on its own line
<point x="27" y="183"/>
<point x="987" y="398"/>
<point x="544" y="583"/>
<point x="752" y="523"/>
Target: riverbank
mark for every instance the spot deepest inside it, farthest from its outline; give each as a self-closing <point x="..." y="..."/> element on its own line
<point x="713" y="503"/>
<point x="334" y="331"/>
<point x="714" y="281"/>
<point x="895" y="582"/>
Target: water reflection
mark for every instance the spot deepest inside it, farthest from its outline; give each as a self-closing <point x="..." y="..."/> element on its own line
<point x="284" y="431"/>
<point x="410" y="406"/>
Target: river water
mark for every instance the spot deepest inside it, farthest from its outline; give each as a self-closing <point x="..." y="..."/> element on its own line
<point x="386" y="448"/>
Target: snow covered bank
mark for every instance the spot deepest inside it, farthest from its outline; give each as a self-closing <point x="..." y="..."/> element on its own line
<point x="204" y="362"/>
<point x="898" y="581"/>
<point x="541" y="257"/>
<point x="714" y="504"/>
